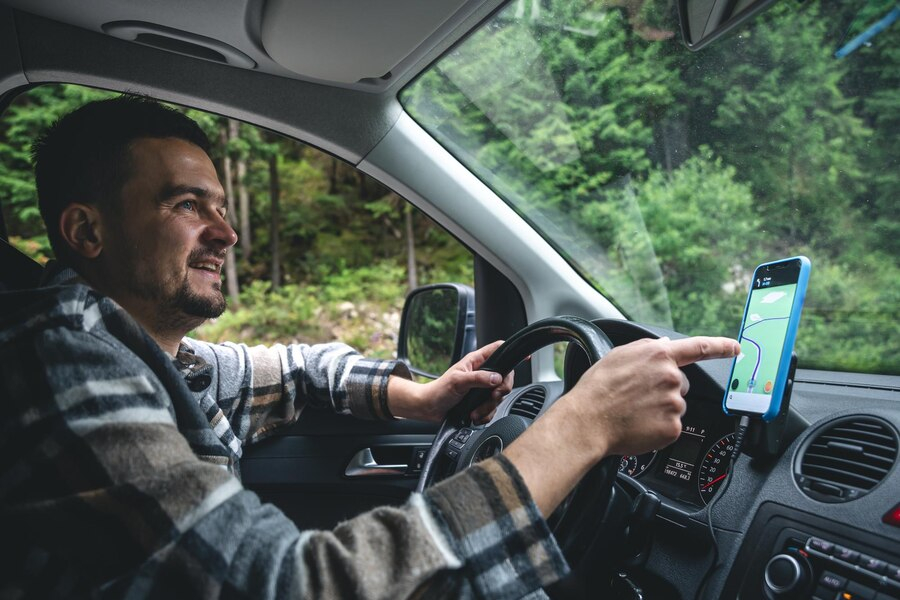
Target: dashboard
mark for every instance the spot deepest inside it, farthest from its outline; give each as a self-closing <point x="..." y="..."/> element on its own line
<point x="840" y="543"/>
<point x="692" y="469"/>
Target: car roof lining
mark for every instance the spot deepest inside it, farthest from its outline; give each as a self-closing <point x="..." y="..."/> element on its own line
<point x="280" y="36"/>
<point x="344" y="122"/>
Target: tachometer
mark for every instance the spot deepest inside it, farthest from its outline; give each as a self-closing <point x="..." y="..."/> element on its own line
<point x="633" y="466"/>
<point x="714" y="467"/>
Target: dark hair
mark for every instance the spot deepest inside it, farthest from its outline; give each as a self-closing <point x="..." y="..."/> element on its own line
<point x="84" y="156"/>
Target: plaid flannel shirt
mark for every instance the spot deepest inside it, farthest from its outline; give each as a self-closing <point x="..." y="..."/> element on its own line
<point x="111" y="478"/>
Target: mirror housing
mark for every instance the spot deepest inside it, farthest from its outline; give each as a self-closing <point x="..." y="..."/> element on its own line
<point x="704" y="21"/>
<point x="437" y="328"/>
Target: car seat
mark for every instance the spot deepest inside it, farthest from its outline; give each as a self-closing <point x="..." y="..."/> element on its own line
<point x="17" y="271"/>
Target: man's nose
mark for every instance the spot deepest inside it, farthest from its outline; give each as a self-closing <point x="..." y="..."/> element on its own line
<point x="218" y="230"/>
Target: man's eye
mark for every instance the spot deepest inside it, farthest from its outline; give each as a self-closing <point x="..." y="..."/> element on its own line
<point x="187" y="204"/>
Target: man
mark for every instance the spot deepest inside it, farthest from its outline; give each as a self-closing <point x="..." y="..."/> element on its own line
<point x="120" y="437"/>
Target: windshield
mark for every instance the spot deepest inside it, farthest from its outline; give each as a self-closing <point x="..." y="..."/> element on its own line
<point x="666" y="176"/>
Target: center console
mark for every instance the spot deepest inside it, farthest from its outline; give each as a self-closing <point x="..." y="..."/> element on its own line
<point x="799" y="556"/>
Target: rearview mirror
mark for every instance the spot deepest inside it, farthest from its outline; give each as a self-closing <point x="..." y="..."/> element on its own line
<point x="437" y="328"/>
<point x="704" y="21"/>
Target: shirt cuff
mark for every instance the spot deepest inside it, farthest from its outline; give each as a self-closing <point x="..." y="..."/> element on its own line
<point x="494" y="526"/>
<point x="367" y="386"/>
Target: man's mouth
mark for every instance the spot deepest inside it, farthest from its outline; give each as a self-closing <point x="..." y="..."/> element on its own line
<point x="207" y="266"/>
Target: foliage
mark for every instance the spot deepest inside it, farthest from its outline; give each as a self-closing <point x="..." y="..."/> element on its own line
<point x="665" y="176"/>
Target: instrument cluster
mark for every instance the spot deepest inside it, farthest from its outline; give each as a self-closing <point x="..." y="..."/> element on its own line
<point x="693" y="468"/>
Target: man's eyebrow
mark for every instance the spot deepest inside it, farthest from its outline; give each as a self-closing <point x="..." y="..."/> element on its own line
<point x="201" y="192"/>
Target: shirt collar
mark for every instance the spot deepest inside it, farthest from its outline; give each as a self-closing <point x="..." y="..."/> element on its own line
<point x="56" y="273"/>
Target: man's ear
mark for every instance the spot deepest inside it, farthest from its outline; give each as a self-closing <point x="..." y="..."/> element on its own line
<point x="80" y="227"/>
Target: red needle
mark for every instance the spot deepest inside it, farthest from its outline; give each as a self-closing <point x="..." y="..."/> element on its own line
<point x="714" y="481"/>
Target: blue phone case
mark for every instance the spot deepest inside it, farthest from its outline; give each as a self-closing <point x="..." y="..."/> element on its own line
<point x="790" y="337"/>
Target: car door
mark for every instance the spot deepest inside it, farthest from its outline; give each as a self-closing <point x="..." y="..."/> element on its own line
<point x="328" y="467"/>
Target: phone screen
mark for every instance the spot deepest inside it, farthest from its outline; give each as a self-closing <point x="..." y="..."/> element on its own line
<point x="767" y="337"/>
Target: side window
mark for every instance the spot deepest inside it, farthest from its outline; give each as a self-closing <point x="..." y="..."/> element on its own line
<point x="324" y="252"/>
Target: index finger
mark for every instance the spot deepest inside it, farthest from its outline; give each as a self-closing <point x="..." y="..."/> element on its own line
<point x="483" y="353"/>
<point x="690" y="350"/>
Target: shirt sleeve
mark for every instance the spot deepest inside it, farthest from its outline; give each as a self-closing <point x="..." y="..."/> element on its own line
<point x="100" y="491"/>
<point x="261" y="388"/>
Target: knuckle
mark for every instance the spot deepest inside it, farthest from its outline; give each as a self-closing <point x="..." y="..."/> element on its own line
<point x="704" y="347"/>
<point x="671" y="377"/>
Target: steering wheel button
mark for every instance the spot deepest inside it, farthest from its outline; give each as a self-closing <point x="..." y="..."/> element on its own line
<point x="452" y="453"/>
<point x="456" y="444"/>
<point x="832" y="581"/>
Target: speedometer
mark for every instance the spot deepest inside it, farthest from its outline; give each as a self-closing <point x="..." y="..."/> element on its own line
<point x="714" y="467"/>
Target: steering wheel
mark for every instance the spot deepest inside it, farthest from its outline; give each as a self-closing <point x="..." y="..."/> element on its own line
<point x="457" y="445"/>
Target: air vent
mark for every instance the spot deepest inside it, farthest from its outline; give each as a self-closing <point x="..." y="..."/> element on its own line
<point x="529" y="404"/>
<point x="846" y="459"/>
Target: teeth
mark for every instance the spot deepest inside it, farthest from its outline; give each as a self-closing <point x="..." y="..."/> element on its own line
<point x="207" y="267"/>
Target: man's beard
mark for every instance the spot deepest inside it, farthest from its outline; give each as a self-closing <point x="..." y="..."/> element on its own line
<point x="182" y="308"/>
<point x="195" y="305"/>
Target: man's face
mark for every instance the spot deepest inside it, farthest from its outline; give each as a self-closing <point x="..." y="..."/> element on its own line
<point x="164" y="252"/>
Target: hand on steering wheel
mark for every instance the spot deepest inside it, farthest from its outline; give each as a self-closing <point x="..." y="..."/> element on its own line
<point x="446" y="458"/>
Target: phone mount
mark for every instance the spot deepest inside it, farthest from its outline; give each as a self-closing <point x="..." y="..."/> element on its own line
<point x="765" y="440"/>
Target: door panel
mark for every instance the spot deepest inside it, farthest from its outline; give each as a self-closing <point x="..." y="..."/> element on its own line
<point x="303" y="470"/>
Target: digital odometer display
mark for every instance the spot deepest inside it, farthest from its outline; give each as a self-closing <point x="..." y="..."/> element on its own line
<point x="682" y="460"/>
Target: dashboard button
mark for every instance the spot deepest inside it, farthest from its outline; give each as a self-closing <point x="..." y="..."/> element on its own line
<point x="872" y="564"/>
<point x="893" y="572"/>
<point x="832" y="581"/>
<point x="892" y="517"/>
<point x="846" y="554"/>
<point x="820" y="545"/>
<point x="860" y="592"/>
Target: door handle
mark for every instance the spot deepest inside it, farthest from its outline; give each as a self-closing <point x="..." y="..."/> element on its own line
<point x="363" y="464"/>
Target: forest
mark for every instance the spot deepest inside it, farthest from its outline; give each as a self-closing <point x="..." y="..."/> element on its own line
<point x="744" y="140"/>
<point x="324" y="251"/>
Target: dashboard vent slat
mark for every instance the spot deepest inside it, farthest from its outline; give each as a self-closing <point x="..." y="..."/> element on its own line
<point x="846" y="459"/>
<point x="529" y="403"/>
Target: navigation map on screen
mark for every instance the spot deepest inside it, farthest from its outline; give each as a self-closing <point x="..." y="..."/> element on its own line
<point x="762" y="340"/>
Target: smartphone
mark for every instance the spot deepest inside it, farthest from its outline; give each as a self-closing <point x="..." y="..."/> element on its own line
<point x="768" y="330"/>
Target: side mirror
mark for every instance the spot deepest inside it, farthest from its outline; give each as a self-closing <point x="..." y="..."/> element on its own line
<point x="437" y="328"/>
<point x="704" y="21"/>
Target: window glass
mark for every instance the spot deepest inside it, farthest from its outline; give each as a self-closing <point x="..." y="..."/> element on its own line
<point x="331" y="258"/>
<point x="666" y="176"/>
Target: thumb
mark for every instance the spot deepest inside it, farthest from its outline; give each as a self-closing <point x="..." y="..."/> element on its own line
<point x="480" y="379"/>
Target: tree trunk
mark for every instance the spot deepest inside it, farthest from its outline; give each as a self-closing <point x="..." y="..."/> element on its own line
<point x="243" y="195"/>
<point x="332" y="177"/>
<point x="274" y="194"/>
<point x="231" y="279"/>
<point x="413" y="279"/>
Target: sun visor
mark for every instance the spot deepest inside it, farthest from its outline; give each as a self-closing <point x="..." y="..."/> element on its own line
<point x="346" y="41"/>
